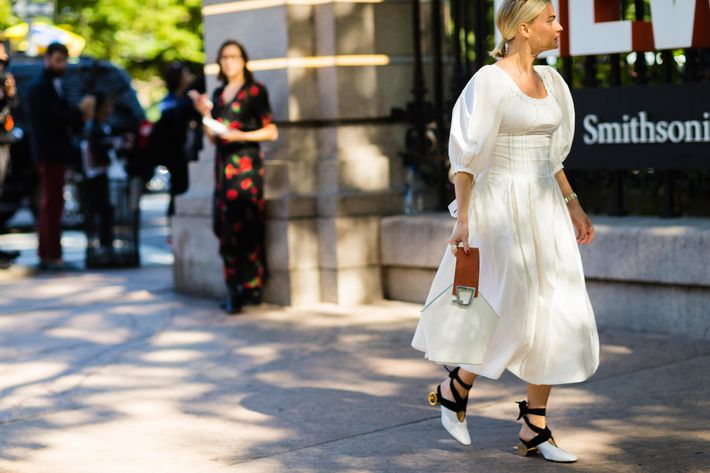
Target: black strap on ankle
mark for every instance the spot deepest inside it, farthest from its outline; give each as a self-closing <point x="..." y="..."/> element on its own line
<point x="454" y="374"/>
<point x="459" y="403"/>
<point x="542" y="434"/>
<point x="524" y="410"/>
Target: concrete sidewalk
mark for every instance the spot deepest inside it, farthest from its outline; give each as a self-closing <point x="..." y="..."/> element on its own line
<point x="113" y="372"/>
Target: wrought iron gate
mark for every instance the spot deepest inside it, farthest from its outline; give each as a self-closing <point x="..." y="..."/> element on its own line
<point x="462" y="36"/>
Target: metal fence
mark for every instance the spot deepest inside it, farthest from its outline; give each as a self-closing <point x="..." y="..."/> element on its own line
<point x="463" y="34"/>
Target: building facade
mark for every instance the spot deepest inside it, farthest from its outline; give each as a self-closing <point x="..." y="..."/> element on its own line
<point x="334" y="71"/>
<point x="362" y="96"/>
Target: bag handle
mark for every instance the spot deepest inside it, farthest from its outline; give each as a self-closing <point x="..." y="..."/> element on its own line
<point x="467" y="270"/>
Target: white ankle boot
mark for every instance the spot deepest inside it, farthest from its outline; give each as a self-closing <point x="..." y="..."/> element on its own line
<point x="453" y="413"/>
<point x="458" y="430"/>
<point x="553" y="453"/>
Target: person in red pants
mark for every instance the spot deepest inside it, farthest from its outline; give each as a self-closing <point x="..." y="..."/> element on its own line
<point x="53" y="120"/>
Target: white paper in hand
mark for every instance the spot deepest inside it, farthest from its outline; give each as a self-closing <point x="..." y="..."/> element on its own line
<point x="453" y="208"/>
<point x="215" y="126"/>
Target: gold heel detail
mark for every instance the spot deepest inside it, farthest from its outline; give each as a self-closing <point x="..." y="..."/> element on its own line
<point x="433" y="399"/>
<point x="524" y="451"/>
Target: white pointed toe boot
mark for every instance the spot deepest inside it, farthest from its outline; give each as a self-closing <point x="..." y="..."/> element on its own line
<point x="553" y="453"/>
<point x="458" y="430"/>
<point x="453" y="413"/>
<point x="543" y="442"/>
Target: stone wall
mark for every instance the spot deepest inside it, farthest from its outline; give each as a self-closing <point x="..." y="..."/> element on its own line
<point x="327" y="186"/>
<point x="642" y="273"/>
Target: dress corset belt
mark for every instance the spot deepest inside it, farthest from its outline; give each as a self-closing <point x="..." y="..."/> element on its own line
<point x="527" y="155"/>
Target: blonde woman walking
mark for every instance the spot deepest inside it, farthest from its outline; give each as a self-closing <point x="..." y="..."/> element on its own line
<point x="512" y="127"/>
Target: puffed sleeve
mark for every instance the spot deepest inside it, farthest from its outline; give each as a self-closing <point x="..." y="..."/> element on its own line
<point x="562" y="137"/>
<point x="475" y="122"/>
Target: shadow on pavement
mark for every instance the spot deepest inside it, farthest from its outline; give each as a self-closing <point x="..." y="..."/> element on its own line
<point x="114" y="372"/>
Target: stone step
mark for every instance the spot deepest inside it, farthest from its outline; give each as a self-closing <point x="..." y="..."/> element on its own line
<point x="642" y="273"/>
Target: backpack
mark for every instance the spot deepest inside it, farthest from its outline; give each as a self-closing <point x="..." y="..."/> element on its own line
<point x="163" y="147"/>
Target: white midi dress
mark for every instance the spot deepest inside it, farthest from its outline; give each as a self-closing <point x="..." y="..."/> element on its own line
<point x="531" y="269"/>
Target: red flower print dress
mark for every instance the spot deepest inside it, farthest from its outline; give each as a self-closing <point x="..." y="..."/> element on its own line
<point x="238" y="214"/>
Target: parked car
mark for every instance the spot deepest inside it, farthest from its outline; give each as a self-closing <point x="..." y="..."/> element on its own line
<point x="83" y="77"/>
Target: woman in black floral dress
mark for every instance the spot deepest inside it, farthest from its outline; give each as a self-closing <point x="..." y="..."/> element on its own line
<point x="242" y="105"/>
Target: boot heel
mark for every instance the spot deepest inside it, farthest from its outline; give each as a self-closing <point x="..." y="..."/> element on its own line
<point x="543" y="442"/>
<point x="433" y="399"/>
<point x="524" y="451"/>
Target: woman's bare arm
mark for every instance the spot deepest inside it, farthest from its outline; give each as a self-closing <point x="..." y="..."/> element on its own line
<point x="562" y="181"/>
<point x="204" y="106"/>
<point x="209" y="133"/>
<point x="463" y="185"/>
<point x="582" y="224"/>
<point x="267" y="133"/>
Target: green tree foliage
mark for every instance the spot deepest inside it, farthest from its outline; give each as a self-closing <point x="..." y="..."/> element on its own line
<point x="7" y="19"/>
<point x="140" y="35"/>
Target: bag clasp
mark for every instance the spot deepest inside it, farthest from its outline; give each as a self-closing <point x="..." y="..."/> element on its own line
<point x="464" y="295"/>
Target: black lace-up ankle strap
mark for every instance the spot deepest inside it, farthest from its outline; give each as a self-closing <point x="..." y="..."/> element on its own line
<point x="454" y="374"/>
<point x="524" y="409"/>
<point x="542" y="434"/>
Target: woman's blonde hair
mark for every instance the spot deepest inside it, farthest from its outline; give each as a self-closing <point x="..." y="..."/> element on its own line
<point x="510" y="15"/>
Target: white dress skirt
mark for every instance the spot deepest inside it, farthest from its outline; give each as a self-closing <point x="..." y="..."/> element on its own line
<point x="531" y="270"/>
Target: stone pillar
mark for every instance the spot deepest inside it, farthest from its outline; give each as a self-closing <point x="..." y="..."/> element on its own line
<point x="340" y="67"/>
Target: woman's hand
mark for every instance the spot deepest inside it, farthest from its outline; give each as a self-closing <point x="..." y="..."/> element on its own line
<point x="459" y="235"/>
<point x="583" y="229"/>
<point x="201" y="103"/>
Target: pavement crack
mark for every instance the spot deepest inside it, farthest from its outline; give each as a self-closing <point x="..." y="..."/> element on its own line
<point x="434" y="417"/>
<point x="335" y="440"/>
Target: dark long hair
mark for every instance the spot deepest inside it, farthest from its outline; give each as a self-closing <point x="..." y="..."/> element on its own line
<point x="248" y="77"/>
<point x="173" y="75"/>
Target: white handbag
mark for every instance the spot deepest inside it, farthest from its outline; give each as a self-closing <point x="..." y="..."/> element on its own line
<point x="458" y="324"/>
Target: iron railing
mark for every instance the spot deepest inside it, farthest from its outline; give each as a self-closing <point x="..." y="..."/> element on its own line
<point x="468" y="37"/>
